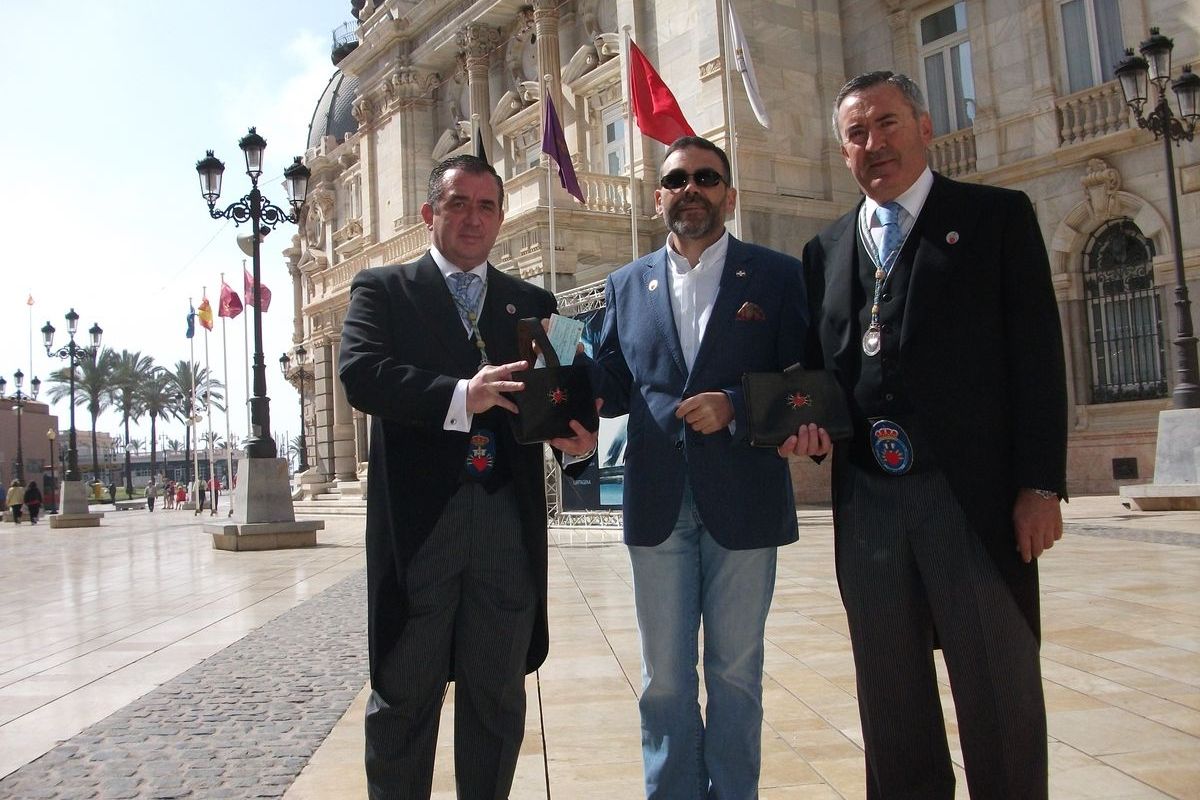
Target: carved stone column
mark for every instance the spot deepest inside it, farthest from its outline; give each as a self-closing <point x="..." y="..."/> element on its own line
<point x="365" y="111"/>
<point x="324" y="377"/>
<point x="293" y="254"/>
<point x="345" y="465"/>
<point x="545" y="26"/>
<point x="413" y="89"/>
<point x="477" y="41"/>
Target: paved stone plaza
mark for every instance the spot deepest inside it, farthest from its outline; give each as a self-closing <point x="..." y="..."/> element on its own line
<point x="138" y="662"/>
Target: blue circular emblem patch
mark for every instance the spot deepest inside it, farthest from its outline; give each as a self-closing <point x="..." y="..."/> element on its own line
<point x="891" y="447"/>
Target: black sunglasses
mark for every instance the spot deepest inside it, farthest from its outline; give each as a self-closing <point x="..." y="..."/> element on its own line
<point x="676" y="179"/>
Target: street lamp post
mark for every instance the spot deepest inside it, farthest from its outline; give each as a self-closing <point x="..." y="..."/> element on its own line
<point x="51" y="435"/>
<point x="301" y="376"/>
<point x="19" y="400"/>
<point x="74" y="500"/>
<point x="263" y="216"/>
<point x="1177" y="451"/>
<point x="1135" y="74"/>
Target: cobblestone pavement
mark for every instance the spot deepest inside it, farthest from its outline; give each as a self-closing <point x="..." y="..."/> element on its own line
<point x="240" y="724"/>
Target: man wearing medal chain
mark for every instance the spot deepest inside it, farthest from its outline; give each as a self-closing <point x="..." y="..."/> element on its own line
<point x="933" y="305"/>
<point x="456" y="512"/>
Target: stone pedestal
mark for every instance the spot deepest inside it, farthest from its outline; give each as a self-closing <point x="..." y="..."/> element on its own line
<point x="1176" y="484"/>
<point x="263" y="518"/>
<point x="73" y="508"/>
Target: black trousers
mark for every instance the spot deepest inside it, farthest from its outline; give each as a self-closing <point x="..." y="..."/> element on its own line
<point x="909" y="564"/>
<point x="472" y="605"/>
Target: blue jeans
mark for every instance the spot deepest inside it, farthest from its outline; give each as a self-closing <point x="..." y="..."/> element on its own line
<point x="676" y="584"/>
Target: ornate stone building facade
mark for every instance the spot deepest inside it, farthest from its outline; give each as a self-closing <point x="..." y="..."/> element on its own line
<point x="1020" y="93"/>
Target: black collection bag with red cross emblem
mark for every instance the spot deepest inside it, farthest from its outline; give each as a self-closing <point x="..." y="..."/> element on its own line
<point x="778" y="403"/>
<point x="554" y="394"/>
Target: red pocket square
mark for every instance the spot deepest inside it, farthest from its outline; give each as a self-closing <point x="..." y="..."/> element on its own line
<point x="750" y="312"/>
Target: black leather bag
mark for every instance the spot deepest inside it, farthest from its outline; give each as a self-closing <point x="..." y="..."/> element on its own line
<point x="553" y="396"/>
<point x="778" y="403"/>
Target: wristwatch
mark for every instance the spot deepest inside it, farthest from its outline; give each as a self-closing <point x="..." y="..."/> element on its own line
<point x="1045" y="494"/>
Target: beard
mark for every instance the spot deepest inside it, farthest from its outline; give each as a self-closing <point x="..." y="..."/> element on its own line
<point x="693" y="227"/>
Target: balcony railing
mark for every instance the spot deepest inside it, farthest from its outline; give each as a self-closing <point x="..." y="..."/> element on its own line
<point x="405" y="246"/>
<point x="1092" y="113"/>
<point x="953" y="155"/>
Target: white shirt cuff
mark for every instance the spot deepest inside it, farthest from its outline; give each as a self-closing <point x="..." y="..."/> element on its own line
<point x="457" y="418"/>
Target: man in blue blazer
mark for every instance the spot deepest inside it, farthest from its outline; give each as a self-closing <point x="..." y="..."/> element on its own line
<point x="703" y="510"/>
<point x="932" y="303"/>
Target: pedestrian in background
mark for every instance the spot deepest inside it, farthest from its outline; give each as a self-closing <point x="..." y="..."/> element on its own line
<point x="33" y="501"/>
<point x="151" y="491"/>
<point x="16" y="497"/>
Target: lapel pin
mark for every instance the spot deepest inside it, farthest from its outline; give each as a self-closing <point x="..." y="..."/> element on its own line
<point x="952" y="237"/>
<point x="510" y="308"/>
<point x="653" y="285"/>
<point x="741" y="273"/>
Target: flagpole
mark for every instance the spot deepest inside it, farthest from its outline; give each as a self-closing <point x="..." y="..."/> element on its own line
<point x="29" y="305"/>
<point x="246" y="348"/>
<point x="225" y="374"/>
<point x="191" y="421"/>
<point x="633" y="195"/>
<point x="727" y="67"/>
<point x="549" y="191"/>
<point x="208" y="403"/>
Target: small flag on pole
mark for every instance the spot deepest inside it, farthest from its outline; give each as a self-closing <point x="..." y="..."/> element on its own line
<point x="205" y="314"/>
<point x="191" y="319"/>
<point x="253" y="297"/>
<point x="554" y="144"/>
<point x="231" y="304"/>
<point x="743" y="64"/>
<point x="655" y="108"/>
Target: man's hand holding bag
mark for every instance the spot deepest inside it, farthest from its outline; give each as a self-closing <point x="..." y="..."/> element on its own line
<point x="553" y="396"/>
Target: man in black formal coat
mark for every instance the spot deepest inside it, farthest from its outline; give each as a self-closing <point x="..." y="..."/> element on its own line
<point x="932" y="303"/>
<point x="456" y="512"/>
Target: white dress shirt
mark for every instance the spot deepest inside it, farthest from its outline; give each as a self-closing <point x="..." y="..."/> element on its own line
<point x="912" y="201"/>
<point x="693" y="292"/>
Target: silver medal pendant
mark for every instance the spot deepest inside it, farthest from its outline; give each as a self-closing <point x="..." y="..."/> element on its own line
<point x="870" y="341"/>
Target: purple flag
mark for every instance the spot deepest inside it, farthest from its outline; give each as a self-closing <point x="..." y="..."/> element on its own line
<point x="554" y="144"/>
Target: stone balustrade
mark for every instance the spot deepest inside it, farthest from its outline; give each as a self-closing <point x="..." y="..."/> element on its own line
<point x="1092" y="113"/>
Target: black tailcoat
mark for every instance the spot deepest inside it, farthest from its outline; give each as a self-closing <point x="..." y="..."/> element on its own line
<point x="403" y="350"/>
<point x="981" y="354"/>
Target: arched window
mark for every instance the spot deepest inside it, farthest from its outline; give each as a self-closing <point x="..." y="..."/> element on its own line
<point x="1125" y="336"/>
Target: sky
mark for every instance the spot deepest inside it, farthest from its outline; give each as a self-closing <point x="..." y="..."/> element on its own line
<point x="108" y="106"/>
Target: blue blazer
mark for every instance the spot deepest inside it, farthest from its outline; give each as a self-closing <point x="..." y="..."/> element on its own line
<point x="744" y="493"/>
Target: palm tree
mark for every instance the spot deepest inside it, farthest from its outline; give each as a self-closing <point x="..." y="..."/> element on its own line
<point x="174" y="445"/>
<point x="136" y="446"/>
<point x="130" y="373"/>
<point x="93" y="388"/>
<point x="158" y="398"/>
<point x="296" y="447"/>
<point x="184" y="379"/>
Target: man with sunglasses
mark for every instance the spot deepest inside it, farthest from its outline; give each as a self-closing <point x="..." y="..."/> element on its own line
<point x="703" y="510"/>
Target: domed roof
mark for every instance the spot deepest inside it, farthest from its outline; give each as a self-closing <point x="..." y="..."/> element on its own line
<point x="332" y="116"/>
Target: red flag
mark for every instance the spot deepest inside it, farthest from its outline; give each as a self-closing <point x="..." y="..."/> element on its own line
<point x="204" y="312"/>
<point x="654" y="107"/>
<point x="252" y="297"/>
<point x="231" y="304"/>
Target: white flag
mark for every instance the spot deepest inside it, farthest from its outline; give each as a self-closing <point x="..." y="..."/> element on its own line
<point x="743" y="64"/>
